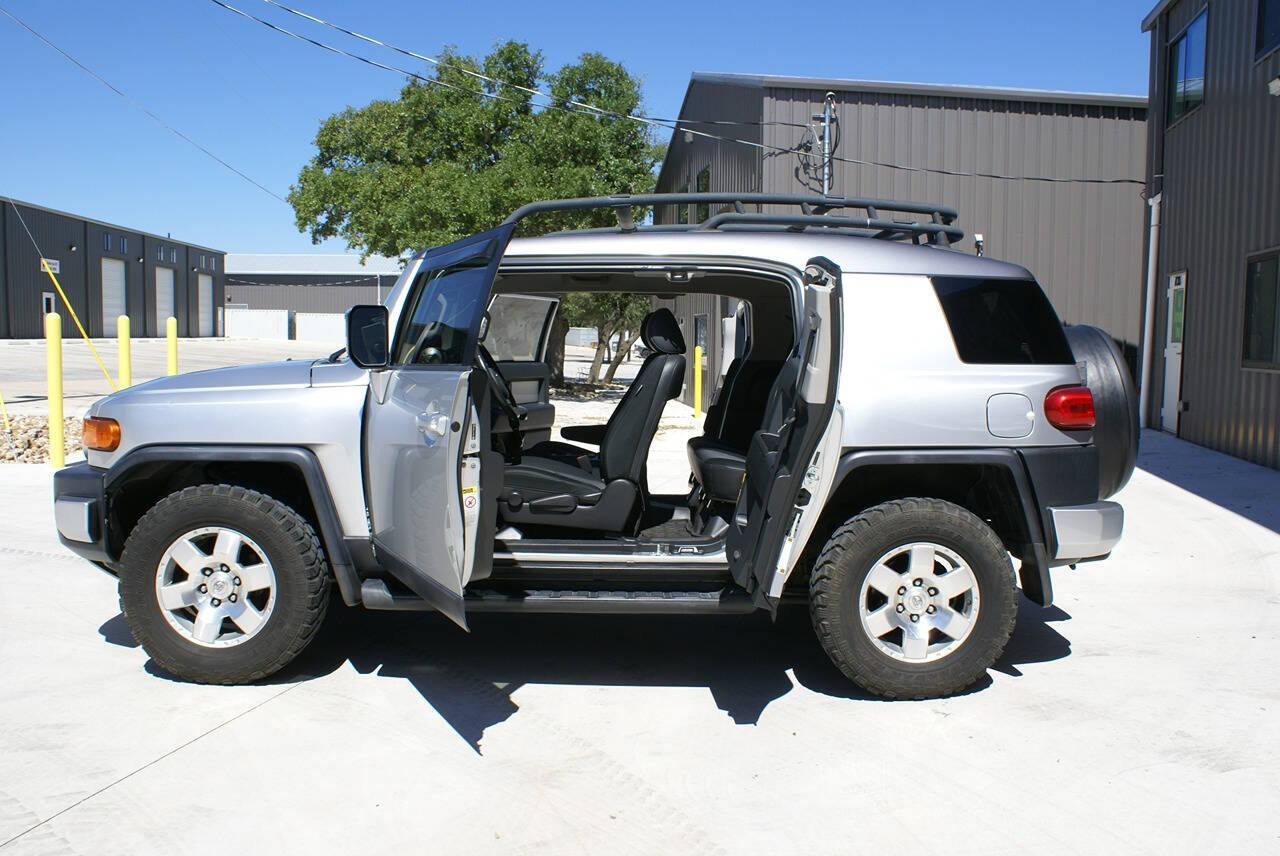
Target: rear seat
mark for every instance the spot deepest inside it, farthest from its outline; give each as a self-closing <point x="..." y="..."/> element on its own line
<point x="719" y="465"/>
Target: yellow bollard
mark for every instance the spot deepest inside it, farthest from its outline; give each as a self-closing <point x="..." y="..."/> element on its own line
<point x="171" y="332"/>
<point x="123" y="345"/>
<point x="53" y="375"/>
<point x="697" y="381"/>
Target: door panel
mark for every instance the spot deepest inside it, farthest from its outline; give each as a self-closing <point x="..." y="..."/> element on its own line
<point x="530" y="383"/>
<point x="415" y="501"/>
<point x="164" y="298"/>
<point x="791" y="465"/>
<point x="431" y="493"/>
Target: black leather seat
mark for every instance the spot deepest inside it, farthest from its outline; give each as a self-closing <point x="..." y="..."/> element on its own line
<point x="720" y="465"/>
<point x="563" y="485"/>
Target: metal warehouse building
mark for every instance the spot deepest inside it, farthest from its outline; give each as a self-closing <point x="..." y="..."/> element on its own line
<point x="1084" y="241"/>
<point x="106" y="271"/>
<point x="1214" y="184"/>
<point x="308" y="283"/>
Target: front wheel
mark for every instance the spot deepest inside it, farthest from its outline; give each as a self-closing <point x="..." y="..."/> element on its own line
<point x="913" y="598"/>
<point x="223" y="585"/>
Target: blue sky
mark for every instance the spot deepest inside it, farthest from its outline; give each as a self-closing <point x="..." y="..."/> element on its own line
<point x="256" y="98"/>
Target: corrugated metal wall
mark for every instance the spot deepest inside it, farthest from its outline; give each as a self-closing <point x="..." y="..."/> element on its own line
<point x="1220" y="205"/>
<point x="1083" y="242"/>
<point x="306" y="292"/>
<point x="80" y="274"/>
<point x="734" y="167"/>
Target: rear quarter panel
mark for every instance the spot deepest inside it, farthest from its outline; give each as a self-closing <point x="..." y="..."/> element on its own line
<point x="902" y="383"/>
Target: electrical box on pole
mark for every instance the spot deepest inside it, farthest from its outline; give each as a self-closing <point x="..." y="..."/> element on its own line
<point x="827" y="118"/>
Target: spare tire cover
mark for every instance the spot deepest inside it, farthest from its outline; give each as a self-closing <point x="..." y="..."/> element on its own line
<point x="1115" y="400"/>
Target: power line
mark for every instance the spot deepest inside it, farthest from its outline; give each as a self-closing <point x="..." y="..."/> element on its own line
<point x="135" y="104"/>
<point x="498" y="82"/>
<point x="674" y="125"/>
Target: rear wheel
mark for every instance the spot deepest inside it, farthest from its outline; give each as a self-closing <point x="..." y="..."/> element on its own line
<point x="913" y="598"/>
<point x="221" y="584"/>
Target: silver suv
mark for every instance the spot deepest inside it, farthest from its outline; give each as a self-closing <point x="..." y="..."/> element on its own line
<point x="900" y="420"/>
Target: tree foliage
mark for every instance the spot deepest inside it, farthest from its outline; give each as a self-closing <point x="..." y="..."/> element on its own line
<point x="443" y="161"/>
<point x="611" y="313"/>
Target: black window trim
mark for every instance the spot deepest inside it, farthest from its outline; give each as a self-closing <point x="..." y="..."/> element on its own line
<point x="1260" y="55"/>
<point x="1168" y="45"/>
<point x="1263" y="366"/>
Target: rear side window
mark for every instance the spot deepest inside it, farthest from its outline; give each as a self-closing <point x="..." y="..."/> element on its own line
<point x="1002" y="321"/>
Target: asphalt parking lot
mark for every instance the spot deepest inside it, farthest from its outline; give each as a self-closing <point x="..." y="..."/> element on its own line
<point x="1140" y="714"/>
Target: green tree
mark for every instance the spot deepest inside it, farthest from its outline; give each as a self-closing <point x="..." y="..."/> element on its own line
<point x="611" y="313"/>
<point x="444" y="161"/>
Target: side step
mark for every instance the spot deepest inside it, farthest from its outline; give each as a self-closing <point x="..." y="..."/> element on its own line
<point x="376" y="595"/>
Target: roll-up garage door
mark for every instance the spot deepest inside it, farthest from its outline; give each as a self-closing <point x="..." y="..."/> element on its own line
<point x="164" y="298"/>
<point x="205" y="304"/>
<point x="112" y="294"/>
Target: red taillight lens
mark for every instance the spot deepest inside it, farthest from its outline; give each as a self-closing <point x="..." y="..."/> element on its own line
<point x="1070" y="408"/>
<point x="102" y="435"/>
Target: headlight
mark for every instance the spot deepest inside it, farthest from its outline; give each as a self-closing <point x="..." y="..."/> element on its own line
<point x="101" y="435"/>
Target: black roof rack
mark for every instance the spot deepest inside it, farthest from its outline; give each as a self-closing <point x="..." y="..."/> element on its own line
<point x="814" y="214"/>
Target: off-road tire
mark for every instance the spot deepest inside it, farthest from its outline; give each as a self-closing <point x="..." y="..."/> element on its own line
<point x="835" y="583"/>
<point x="300" y="566"/>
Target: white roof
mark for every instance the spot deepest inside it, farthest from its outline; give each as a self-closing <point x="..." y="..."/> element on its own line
<point x="310" y="264"/>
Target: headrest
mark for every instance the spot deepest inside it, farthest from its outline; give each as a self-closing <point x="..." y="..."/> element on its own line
<point x="661" y="332"/>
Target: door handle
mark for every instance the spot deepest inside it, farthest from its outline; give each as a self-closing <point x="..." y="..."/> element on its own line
<point x="432" y="424"/>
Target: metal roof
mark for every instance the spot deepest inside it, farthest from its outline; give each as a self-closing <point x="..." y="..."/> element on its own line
<point x="115" y="226"/>
<point x="311" y="264"/>
<point x="989" y="92"/>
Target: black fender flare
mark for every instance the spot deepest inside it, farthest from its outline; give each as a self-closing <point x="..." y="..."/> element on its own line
<point x="299" y="457"/>
<point x="1034" y="573"/>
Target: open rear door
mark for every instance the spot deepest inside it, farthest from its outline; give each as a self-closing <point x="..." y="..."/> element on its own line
<point x="426" y="440"/>
<point x="791" y="464"/>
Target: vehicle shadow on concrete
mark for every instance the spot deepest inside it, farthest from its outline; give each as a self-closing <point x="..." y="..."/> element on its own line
<point x="746" y="662"/>
<point x="1249" y="490"/>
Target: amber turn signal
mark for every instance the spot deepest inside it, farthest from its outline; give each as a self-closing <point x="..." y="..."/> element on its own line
<point x="101" y="435"/>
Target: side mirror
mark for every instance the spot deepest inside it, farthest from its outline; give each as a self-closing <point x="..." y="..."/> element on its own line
<point x="367" y="341"/>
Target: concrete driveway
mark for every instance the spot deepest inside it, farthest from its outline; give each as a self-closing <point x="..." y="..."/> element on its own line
<point x="1141" y="714"/>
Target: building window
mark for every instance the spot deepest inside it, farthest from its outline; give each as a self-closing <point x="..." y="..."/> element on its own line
<point x="160" y="253"/>
<point x="1186" y="69"/>
<point x="213" y="262"/>
<point x="682" y="210"/>
<point x="1262" y="314"/>
<point x="703" y="183"/>
<point x="1268" y="38"/>
<point x="106" y="242"/>
<point x="124" y="244"/>
<point x="173" y="255"/>
<point x="201" y="262"/>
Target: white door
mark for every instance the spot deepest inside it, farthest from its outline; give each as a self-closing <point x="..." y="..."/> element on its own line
<point x="164" y="298"/>
<point x="204" y="304"/>
<point x="112" y="294"/>
<point x="1176" y="295"/>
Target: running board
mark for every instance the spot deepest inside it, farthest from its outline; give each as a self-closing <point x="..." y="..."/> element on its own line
<point x="376" y="595"/>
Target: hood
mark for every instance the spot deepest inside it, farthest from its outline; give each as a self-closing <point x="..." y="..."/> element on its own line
<point x="287" y="374"/>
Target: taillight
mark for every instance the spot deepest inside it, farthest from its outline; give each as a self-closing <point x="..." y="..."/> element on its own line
<point x="101" y="435"/>
<point x="1070" y="408"/>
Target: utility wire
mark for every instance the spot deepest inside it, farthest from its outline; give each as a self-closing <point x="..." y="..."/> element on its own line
<point x="498" y="82"/>
<point x="135" y="104"/>
<point x="673" y="125"/>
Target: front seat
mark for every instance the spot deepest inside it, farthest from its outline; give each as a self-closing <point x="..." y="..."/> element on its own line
<point x="563" y="485"/>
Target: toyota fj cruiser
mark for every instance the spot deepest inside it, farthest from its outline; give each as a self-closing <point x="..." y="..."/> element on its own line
<point x="900" y="419"/>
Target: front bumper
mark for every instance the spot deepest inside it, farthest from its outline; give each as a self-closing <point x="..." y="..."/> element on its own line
<point x="1083" y="532"/>
<point x="80" y="511"/>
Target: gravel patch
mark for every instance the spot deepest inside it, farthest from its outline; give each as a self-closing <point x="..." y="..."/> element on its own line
<point x="27" y="440"/>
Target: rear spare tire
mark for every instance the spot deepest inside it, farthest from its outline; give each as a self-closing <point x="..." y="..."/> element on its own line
<point x="1115" y="400"/>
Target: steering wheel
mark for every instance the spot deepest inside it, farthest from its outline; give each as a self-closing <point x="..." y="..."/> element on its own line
<point x="501" y="389"/>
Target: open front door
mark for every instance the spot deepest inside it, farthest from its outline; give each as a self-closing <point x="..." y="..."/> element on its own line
<point x="792" y="459"/>
<point x="426" y="441"/>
